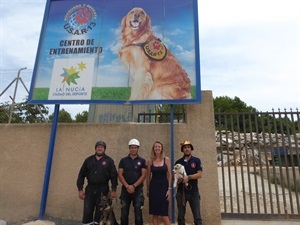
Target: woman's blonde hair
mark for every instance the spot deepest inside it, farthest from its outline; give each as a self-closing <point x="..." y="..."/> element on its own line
<point x="153" y="156"/>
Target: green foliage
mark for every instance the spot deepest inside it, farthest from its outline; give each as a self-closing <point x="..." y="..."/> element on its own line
<point x="82" y="117"/>
<point x="165" y="110"/>
<point x="4" y="114"/>
<point x="32" y="113"/>
<point x="227" y="104"/>
<point x="23" y="113"/>
<point x="63" y="117"/>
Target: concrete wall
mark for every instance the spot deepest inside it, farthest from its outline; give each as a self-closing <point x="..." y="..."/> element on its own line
<point x="24" y="149"/>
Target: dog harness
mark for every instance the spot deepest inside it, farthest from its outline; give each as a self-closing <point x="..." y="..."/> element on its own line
<point x="153" y="49"/>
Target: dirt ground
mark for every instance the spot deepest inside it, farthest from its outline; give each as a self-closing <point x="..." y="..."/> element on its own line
<point x="252" y="201"/>
<point x="46" y="221"/>
<point x="249" y="196"/>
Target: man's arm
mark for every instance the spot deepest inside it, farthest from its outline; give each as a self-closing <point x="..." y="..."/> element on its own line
<point x="80" y="180"/>
<point x="81" y="176"/>
<point x="121" y="177"/>
<point x="142" y="178"/>
<point x="130" y="188"/>
<point x="113" y="177"/>
<point x="194" y="176"/>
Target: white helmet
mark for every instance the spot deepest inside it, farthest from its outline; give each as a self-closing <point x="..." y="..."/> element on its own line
<point x="134" y="142"/>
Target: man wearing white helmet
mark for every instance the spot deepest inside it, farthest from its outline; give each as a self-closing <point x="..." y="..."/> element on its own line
<point x="189" y="193"/>
<point x="132" y="173"/>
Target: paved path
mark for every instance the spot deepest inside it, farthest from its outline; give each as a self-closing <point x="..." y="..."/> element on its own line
<point x="254" y="222"/>
<point x="224" y="222"/>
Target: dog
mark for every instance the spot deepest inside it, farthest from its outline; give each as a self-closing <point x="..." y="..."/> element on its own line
<point x="179" y="173"/>
<point x="107" y="212"/>
<point x="154" y="71"/>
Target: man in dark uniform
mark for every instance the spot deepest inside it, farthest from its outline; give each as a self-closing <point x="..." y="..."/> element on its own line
<point x="132" y="173"/>
<point x="99" y="169"/>
<point x="190" y="193"/>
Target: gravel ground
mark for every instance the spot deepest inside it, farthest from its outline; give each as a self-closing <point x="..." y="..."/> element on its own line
<point x="46" y="221"/>
<point x="52" y="221"/>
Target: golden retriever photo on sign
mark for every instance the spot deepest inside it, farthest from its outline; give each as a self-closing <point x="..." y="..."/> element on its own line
<point x="119" y="52"/>
<point x="154" y="71"/>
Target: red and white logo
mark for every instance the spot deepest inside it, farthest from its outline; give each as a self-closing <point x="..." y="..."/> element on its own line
<point x="80" y="19"/>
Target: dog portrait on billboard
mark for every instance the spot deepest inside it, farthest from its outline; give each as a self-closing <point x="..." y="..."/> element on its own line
<point x="118" y="52"/>
<point x="154" y="71"/>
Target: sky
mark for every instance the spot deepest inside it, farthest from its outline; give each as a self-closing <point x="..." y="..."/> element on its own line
<point x="248" y="49"/>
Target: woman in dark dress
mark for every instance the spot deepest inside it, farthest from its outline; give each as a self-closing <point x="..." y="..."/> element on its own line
<point x="159" y="178"/>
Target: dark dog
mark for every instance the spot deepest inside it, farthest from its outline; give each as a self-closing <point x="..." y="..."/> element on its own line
<point x="107" y="212"/>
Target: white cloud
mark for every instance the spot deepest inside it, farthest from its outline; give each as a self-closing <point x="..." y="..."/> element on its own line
<point x="218" y="13"/>
<point x="248" y="48"/>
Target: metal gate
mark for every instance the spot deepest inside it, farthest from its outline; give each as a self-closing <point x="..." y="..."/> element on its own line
<point x="259" y="164"/>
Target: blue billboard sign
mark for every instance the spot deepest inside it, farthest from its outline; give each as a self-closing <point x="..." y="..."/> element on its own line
<point x="118" y="51"/>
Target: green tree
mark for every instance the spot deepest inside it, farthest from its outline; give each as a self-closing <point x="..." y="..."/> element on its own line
<point x="4" y="114"/>
<point x="82" y="117"/>
<point x="224" y="106"/>
<point x="227" y="104"/>
<point x="165" y="110"/>
<point x="32" y="113"/>
<point x="63" y="116"/>
<point x="23" y="112"/>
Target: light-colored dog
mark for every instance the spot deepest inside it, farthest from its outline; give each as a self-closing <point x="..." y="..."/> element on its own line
<point x="179" y="173"/>
<point x="154" y="71"/>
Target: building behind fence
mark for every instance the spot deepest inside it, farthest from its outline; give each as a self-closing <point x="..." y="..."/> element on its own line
<point x="259" y="158"/>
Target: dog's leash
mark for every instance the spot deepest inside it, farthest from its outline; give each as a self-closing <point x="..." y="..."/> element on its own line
<point x="183" y="196"/>
<point x="188" y="187"/>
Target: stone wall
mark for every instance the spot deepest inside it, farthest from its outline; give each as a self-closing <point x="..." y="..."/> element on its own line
<point x="24" y="149"/>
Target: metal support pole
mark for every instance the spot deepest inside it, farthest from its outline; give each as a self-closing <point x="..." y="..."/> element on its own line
<point x="172" y="158"/>
<point x="15" y="92"/>
<point x="49" y="163"/>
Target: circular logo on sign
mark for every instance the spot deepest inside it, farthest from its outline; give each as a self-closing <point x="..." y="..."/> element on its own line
<point x="155" y="50"/>
<point x="80" y="19"/>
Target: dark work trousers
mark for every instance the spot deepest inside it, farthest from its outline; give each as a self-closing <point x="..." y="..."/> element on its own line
<point x="137" y="198"/>
<point x="91" y="210"/>
<point x="194" y="201"/>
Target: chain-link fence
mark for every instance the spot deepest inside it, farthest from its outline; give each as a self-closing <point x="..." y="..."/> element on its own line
<point x="14" y="92"/>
